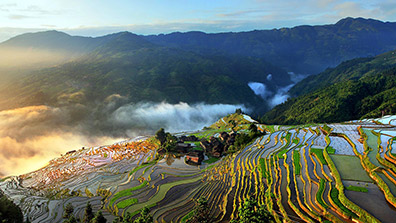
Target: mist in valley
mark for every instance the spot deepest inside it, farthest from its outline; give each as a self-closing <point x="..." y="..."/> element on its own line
<point x="280" y="94"/>
<point x="31" y="136"/>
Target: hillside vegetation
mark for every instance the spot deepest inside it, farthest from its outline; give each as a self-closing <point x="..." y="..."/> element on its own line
<point x="45" y="67"/>
<point x="363" y="89"/>
<point x="138" y="70"/>
<point x="348" y="70"/>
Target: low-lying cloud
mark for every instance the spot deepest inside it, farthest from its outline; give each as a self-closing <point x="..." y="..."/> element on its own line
<point x="272" y="98"/>
<point x="260" y="89"/>
<point x="174" y="117"/>
<point x="31" y="136"/>
<point x="279" y="96"/>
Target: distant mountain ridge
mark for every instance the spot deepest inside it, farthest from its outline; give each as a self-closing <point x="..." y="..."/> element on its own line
<point x="301" y="49"/>
<point x="190" y="67"/>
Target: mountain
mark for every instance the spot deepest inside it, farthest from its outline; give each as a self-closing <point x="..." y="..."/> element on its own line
<point x="348" y="70"/>
<point x="302" y="49"/>
<point x="360" y="88"/>
<point x="128" y="65"/>
<point x="46" y="48"/>
<point x="41" y="68"/>
<point x="22" y="54"/>
<point x="53" y="40"/>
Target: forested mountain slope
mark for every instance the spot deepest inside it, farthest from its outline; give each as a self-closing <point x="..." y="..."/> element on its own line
<point x="134" y="68"/>
<point x="356" y="89"/>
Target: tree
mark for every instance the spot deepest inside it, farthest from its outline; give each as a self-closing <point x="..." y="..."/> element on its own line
<point x="251" y="212"/>
<point x="9" y="212"/>
<point x="167" y="140"/>
<point x="233" y="124"/>
<point x="238" y="111"/>
<point x="71" y="219"/>
<point x="68" y="211"/>
<point x="88" y="214"/>
<point x="253" y="129"/>
<point x="241" y="140"/>
<point x="161" y="135"/>
<point x="170" y="142"/>
<point x="144" y="217"/>
<point x="201" y="212"/>
<point x="99" y="218"/>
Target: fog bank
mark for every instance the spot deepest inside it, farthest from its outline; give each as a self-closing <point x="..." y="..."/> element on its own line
<point x="280" y="95"/>
<point x="31" y="136"/>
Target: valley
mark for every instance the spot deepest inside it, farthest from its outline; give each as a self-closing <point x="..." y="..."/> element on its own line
<point x="142" y="128"/>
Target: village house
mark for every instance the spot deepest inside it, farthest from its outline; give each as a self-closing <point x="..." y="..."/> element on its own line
<point x="195" y="157"/>
<point x="191" y="138"/>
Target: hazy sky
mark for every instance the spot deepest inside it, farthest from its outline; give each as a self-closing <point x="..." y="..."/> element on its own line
<point x="98" y="17"/>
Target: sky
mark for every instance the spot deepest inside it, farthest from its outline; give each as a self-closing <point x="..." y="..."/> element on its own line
<point x="100" y="17"/>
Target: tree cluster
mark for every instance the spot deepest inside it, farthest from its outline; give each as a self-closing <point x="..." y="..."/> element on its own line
<point x="369" y="96"/>
<point x="9" y="212"/>
<point x="144" y="217"/>
<point x="201" y="212"/>
<point x="89" y="216"/>
<point x="243" y="139"/>
<point x="251" y="212"/>
<point x="167" y="140"/>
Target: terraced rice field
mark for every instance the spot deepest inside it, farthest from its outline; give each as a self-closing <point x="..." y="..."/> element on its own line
<point x="350" y="168"/>
<point x="130" y="178"/>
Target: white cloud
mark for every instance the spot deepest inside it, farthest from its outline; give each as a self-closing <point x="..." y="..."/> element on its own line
<point x="15" y="16"/>
<point x="31" y="136"/>
<point x="172" y="117"/>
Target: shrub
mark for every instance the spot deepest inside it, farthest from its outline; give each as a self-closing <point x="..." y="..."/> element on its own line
<point x="201" y="212"/>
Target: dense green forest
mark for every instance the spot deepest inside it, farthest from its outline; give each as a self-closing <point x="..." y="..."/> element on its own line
<point x="348" y="70"/>
<point x="367" y="94"/>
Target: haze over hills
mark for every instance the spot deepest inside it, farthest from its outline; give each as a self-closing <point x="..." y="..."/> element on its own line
<point x="183" y="61"/>
<point x="41" y="49"/>
<point x="124" y="87"/>
<point x="78" y="95"/>
<point x="118" y="85"/>
<point x="84" y="76"/>
<point x="134" y="68"/>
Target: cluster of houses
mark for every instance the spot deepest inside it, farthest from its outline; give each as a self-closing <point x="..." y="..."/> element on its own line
<point x="214" y="147"/>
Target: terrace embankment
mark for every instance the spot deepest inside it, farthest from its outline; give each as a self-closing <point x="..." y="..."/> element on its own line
<point x="300" y="173"/>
